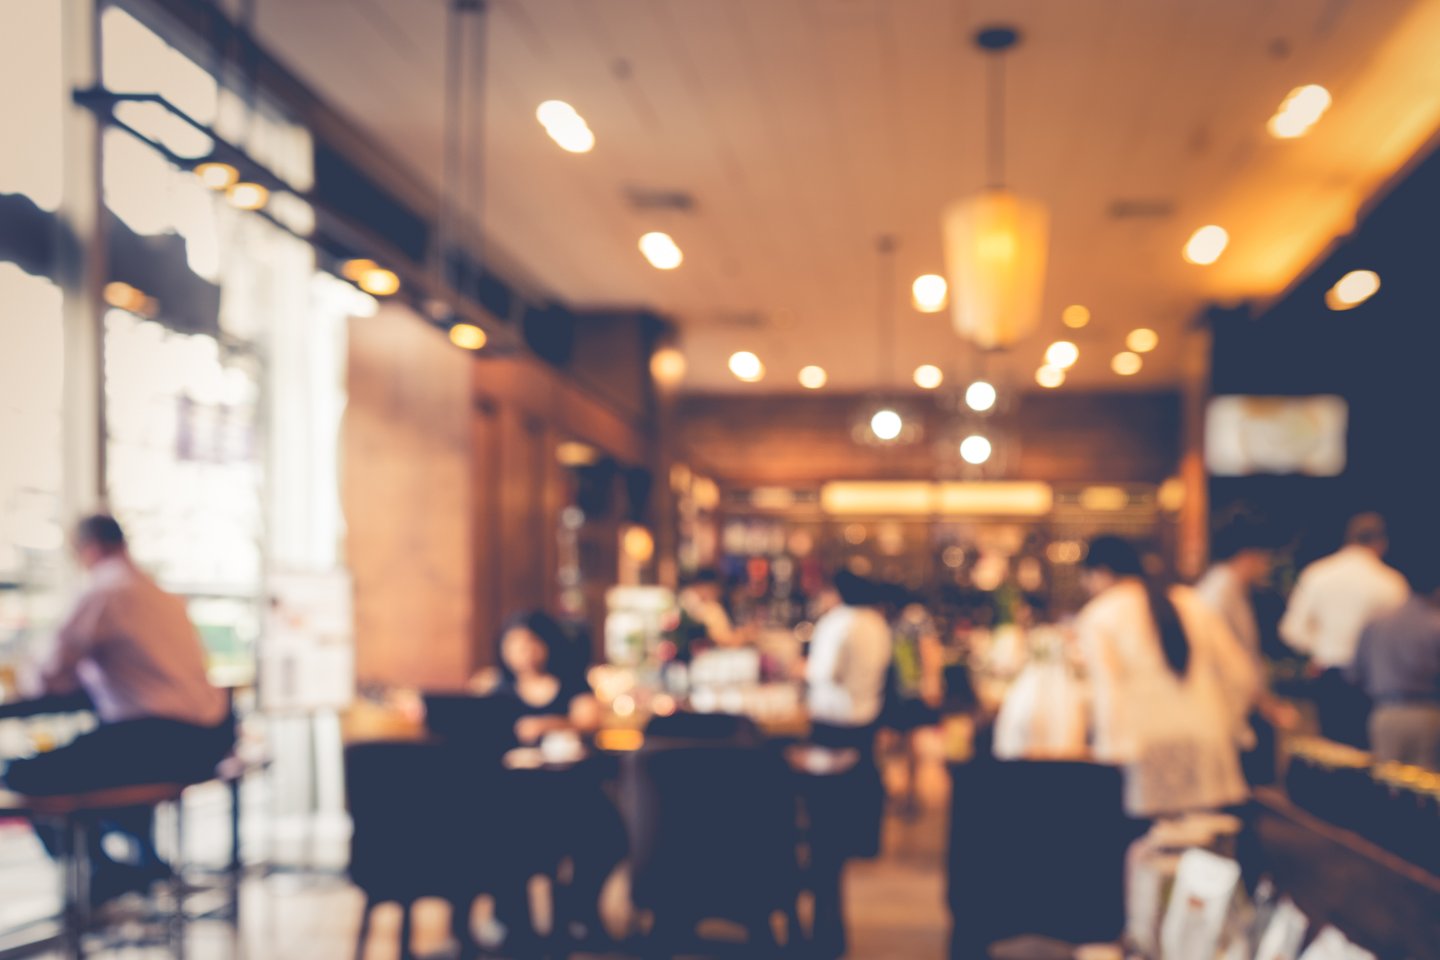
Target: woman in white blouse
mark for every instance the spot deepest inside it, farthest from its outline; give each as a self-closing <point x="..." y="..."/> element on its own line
<point x="1170" y="687"/>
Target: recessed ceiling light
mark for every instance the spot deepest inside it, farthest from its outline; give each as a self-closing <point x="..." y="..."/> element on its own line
<point x="1353" y="289"/>
<point x="667" y="366"/>
<point x="980" y="396"/>
<point x="217" y="176"/>
<point x="1206" y="244"/>
<point x="1142" y="340"/>
<point x="1062" y="354"/>
<point x="565" y="126"/>
<point x="662" y="251"/>
<point x="746" y="366"/>
<point x="1299" y="111"/>
<point x="928" y="293"/>
<point x="813" y="377"/>
<point x="1049" y="377"/>
<point x="379" y="282"/>
<point x="468" y="336"/>
<point x="247" y="196"/>
<point x="1075" y="316"/>
<point x="928" y="376"/>
<point x="1126" y="364"/>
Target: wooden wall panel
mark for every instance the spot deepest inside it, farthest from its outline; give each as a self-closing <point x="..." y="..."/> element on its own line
<point x="408" y="507"/>
<point x="807" y="440"/>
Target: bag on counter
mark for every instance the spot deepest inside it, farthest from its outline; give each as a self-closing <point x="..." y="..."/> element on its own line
<point x="1043" y="714"/>
<point x="1206" y="910"/>
<point x="1282" y="936"/>
<point x="1331" y="944"/>
<point x="1151" y="865"/>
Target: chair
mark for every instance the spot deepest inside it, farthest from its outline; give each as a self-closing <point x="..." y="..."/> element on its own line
<point x="1036" y="847"/>
<point x="419" y="815"/>
<point x="713" y="835"/>
<point x="734" y="729"/>
<point x="75" y="817"/>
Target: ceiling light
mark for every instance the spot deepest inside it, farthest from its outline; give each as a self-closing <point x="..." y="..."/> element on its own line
<point x="928" y="376"/>
<point x="813" y="377"/>
<point x="746" y="366"/>
<point x="1142" y="340"/>
<point x="1075" y="316"/>
<point x="122" y="296"/>
<point x="667" y="366"/>
<point x="980" y="396"/>
<point x="1062" y="354"/>
<point x="886" y="424"/>
<point x="928" y="293"/>
<point x="247" y="196"/>
<point x="353" y="270"/>
<point x="1299" y="111"/>
<point x="1353" y="289"/>
<point x="468" y="335"/>
<point x="565" y="126"/>
<point x="975" y="449"/>
<point x="1126" y="364"/>
<point x="1049" y="377"/>
<point x="217" y="176"/>
<point x="379" y="282"/>
<point x="661" y="251"/>
<point x="1206" y="244"/>
<point x="996" y="241"/>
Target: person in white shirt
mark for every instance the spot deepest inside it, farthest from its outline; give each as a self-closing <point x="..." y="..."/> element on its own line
<point x="1169" y="684"/>
<point x="131" y="647"/>
<point x="1334" y="599"/>
<point x="849" y="658"/>
<point x="846" y="671"/>
<point x="1241" y="554"/>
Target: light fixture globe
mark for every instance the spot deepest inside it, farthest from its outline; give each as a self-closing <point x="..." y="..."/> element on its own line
<point x="886" y="424"/>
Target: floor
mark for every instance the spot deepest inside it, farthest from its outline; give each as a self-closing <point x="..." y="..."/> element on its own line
<point x="895" y="903"/>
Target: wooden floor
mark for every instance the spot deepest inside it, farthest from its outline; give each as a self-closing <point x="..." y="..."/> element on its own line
<point x="895" y="903"/>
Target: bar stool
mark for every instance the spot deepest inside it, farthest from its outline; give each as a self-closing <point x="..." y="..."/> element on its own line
<point x="74" y="816"/>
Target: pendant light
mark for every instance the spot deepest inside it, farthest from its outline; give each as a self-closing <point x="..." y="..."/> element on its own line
<point x="995" y="241"/>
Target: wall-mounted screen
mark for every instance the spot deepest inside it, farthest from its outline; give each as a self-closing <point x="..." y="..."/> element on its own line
<point x="1276" y="435"/>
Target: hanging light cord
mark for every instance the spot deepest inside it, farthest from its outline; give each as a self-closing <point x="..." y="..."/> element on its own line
<point x="885" y="356"/>
<point x="996" y="154"/>
<point x="454" y="77"/>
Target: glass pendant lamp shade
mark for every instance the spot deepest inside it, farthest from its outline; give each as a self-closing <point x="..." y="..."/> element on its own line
<point x="996" y="244"/>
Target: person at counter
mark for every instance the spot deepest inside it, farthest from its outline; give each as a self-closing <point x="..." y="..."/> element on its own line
<point x="1170" y="686"/>
<point x="1333" y="600"/>
<point x="1397" y="663"/>
<point x="1241" y="561"/>
<point x="560" y="827"/>
<point x="700" y="605"/>
<point x="131" y="647"/>
<point x="847" y="665"/>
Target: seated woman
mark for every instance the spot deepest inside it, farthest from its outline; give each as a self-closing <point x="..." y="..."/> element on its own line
<point x="540" y="667"/>
<point x="558" y="820"/>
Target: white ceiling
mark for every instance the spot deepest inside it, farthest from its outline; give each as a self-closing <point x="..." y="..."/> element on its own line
<point x="804" y="129"/>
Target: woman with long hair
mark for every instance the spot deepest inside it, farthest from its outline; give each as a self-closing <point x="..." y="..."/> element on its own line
<point x="1171" y="686"/>
<point x="561" y="825"/>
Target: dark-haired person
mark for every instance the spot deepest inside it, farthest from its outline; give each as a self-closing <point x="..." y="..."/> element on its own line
<point x="699" y="602"/>
<point x="542" y="669"/>
<point x="1397" y="663"/>
<point x="131" y="647"/>
<point x="1334" y="598"/>
<point x="1166" y="677"/>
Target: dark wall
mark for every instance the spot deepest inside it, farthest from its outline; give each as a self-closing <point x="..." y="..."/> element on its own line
<point x="1383" y="357"/>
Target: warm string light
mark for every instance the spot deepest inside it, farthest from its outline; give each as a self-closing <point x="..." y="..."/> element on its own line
<point x="980" y="396"/>
<point x="468" y="336"/>
<point x="1353" y="289"/>
<point x="1126" y="364"/>
<point x="929" y="293"/>
<point x="1301" y="109"/>
<point x="928" y="376"/>
<point x="1075" y="316"/>
<point x="1206" y="244"/>
<point x="1142" y="340"/>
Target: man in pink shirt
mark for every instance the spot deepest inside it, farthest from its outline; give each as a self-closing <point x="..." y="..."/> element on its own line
<point x="131" y="648"/>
